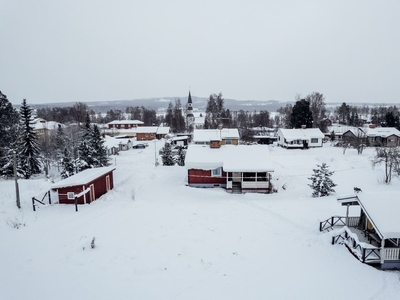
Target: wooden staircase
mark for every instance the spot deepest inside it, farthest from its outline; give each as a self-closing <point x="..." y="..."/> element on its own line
<point x="236" y="188"/>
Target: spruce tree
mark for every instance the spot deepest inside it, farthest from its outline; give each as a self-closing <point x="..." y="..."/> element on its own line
<point x="167" y="158"/>
<point x="85" y="158"/>
<point x="99" y="151"/>
<point x="9" y="121"/>
<point x="321" y="183"/>
<point x="181" y="156"/>
<point x="333" y="136"/>
<point x="67" y="167"/>
<point x="92" y="151"/>
<point x="29" y="151"/>
<point x="60" y="141"/>
<point x="301" y="115"/>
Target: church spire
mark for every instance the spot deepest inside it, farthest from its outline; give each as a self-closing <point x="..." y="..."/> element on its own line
<point x="189" y="106"/>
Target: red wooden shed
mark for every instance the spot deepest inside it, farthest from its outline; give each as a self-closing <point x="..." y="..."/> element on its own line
<point x="87" y="185"/>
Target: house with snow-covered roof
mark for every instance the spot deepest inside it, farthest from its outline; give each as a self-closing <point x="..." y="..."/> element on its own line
<point x="124" y="124"/>
<point x="87" y="185"/>
<point x="238" y="169"/>
<point x="222" y="136"/>
<point x="338" y="130"/>
<point x="41" y="126"/>
<point x="372" y="234"/>
<point x="301" y="138"/>
<point x="148" y="133"/>
<point x="382" y="136"/>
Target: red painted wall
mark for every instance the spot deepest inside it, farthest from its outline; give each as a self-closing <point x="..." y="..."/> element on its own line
<point x="204" y="176"/>
<point x="100" y="189"/>
<point x="145" y="136"/>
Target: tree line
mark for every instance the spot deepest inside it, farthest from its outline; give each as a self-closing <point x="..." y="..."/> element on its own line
<point x="77" y="114"/>
<point x="310" y="111"/>
<point x="72" y="149"/>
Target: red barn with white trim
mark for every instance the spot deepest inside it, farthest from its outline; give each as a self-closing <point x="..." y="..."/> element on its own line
<point x="89" y="185"/>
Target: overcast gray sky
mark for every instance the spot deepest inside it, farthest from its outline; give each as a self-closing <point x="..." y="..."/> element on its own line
<point x="77" y="50"/>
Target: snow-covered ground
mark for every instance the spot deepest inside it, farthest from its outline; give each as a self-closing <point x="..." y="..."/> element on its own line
<point x="156" y="238"/>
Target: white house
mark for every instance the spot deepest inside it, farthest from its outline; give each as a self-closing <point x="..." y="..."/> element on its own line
<point x="300" y="138"/>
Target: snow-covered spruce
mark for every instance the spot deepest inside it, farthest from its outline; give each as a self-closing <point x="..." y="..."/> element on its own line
<point x="321" y="183"/>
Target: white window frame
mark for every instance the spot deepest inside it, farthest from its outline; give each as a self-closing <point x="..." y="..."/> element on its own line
<point x="216" y="172"/>
<point x="314" y="140"/>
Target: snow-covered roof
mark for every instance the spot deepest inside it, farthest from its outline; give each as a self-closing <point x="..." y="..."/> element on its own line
<point x="110" y="142"/>
<point x="152" y="129"/>
<point x="301" y="134"/>
<point x="381" y="131"/>
<point x="39" y="124"/>
<point x="123" y="122"/>
<point x="146" y="129"/>
<point x="242" y="158"/>
<point x="206" y="135"/>
<point x="180" y="138"/>
<point x="382" y="208"/>
<point x="340" y="129"/>
<point x="83" y="177"/>
<point x="163" y="130"/>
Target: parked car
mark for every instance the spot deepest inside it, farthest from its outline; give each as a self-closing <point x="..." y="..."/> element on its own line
<point x="139" y="146"/>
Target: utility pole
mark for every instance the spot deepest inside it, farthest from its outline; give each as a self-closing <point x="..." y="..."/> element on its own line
<point x="16" y="179"/>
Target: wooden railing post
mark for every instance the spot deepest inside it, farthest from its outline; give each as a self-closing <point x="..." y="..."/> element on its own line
<point x="49" y="197"/>
<point x="33" y="203"/>
<point x="76" y="203"/>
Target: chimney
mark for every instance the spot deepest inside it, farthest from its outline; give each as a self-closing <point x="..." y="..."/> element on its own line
<point x="303" y="126"/>
<point x="215" y="144"/>
<point x="372" y="126"/>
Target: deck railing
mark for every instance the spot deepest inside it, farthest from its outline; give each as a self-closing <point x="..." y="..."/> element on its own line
<point x="338" y="221"/>
<point x="366" y="254"/>
<point x="41" y="201"/>
<point x="353" y="221"/>
<point x="391" y="254"/>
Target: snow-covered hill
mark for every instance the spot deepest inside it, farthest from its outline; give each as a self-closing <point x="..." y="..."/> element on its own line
<point x="156" y="238"/>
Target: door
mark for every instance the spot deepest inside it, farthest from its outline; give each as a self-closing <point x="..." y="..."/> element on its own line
<point x="108" y="187"/>
<point x="236" y="176"/>
<point x="92" y="196"/>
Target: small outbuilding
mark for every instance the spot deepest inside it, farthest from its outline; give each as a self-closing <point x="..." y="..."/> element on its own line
<point x="87" y="185"/>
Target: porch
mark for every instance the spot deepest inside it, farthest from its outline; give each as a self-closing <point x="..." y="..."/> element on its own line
<point x="363" y="242"/>
<point x="247" y="182"/>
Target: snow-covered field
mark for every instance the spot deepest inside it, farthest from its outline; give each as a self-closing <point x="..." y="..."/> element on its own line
<point x="156" y="238"/>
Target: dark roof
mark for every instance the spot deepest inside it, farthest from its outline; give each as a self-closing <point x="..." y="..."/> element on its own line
<point x="189" y="98"/>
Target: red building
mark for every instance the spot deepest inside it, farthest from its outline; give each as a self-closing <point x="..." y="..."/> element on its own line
<point x="124" y="124"/>
<point x="149" y="133"/>
<point x="238" y="169"/>
<point x="87" y="186"/>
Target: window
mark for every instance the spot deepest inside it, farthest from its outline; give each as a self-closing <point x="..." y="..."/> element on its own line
<point x="216" y="172"/>
<point x="228" y="142"/>
<point x="314" y="140"/>
<point x="249" y="176"/>
<point x="262" y="176"/>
